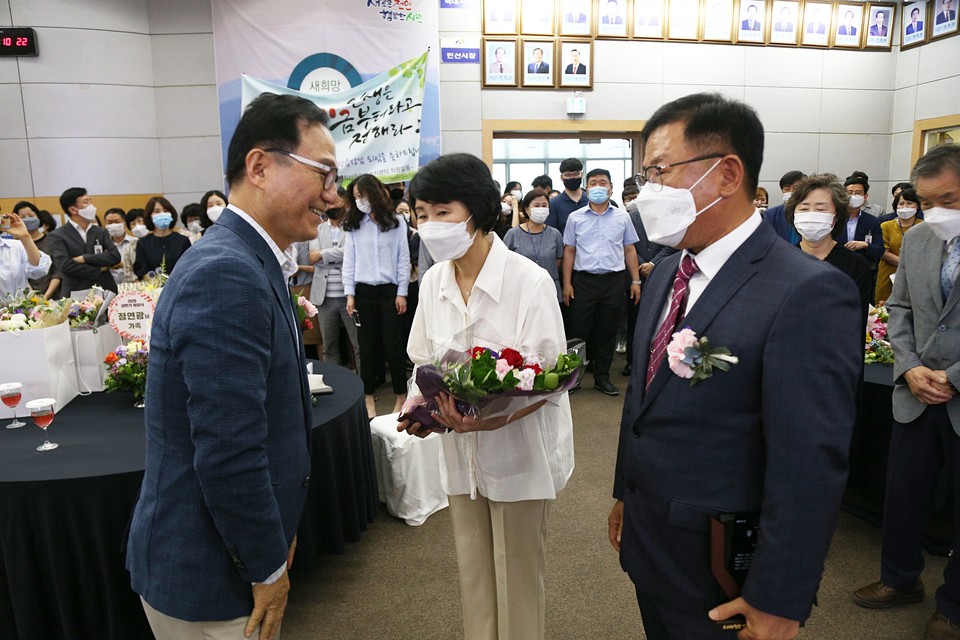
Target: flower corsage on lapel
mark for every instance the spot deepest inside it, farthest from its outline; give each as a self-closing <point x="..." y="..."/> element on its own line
<point x="694" y="358"/>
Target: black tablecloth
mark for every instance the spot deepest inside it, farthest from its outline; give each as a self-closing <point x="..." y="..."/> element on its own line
<point x="63" y="513"/>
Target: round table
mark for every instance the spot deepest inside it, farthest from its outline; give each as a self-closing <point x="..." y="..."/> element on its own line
<point x="64" y="513"/>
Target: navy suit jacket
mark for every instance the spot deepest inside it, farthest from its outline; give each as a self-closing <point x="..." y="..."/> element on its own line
<point x="770" y="436"/>
<point x="867" y="224"/>
<point x="66" y="244"/>
<point x="228" y="416"/>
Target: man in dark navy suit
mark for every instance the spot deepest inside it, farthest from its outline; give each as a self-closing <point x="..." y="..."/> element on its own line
<point x="229" y="412"/>
<point x="769" y="436"/>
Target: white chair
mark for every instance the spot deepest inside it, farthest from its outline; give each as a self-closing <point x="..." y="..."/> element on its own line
<point x="408" y="471"/>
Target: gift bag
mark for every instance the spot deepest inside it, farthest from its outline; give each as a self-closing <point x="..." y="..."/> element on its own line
<point x="90" y="347"/>
<point x="41" y="360"/>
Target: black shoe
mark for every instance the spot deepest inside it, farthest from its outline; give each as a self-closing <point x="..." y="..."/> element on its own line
<point x="627" y="370"/>
<point x="604" y="385"/>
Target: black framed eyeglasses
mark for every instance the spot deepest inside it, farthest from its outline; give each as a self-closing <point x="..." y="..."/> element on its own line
<point x="331" y="178"/>
<point x="654" y="173"/>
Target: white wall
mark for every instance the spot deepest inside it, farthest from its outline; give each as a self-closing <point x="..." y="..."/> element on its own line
<point x="121" y="100"/>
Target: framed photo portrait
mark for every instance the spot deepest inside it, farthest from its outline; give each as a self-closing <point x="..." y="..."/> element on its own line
<point x="913" y="24"/>
<point x="500" y="16"/>
<point x="944" y="18"/>
<point x="718" y="21"/>
<point x="879" y="25"/>
<point x="750" y="27"/>
<point x="648" y="19"/>
<point x="538" y="68"/>
<point x="785" y="22"/>
<point x="576" y="18"/>
<point x="682" y="21"/>
<point x="576" y="64"/>
<point x="848" y="32"/>
<point x="500" y="63"/>
<point x="536" y="17"/>
<point x="612" y="19"/>
<point x="816" y="24"/>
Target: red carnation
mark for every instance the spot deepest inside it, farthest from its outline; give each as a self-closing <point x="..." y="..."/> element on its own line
<point x="513" y="358"/>
<point x="536" y="368"/>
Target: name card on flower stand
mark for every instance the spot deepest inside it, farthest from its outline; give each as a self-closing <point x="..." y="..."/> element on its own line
<point x="131" y="315"/>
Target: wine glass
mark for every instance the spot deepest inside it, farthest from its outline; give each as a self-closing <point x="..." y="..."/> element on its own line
<point x="10" y="394"/>
<point x="42" y="412"/>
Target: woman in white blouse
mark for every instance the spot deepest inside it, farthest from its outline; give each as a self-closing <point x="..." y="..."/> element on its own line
<point x="502" y="473"/>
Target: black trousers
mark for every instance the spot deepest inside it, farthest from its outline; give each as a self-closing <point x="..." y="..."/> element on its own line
<point x="595" y="315"/>
<point x="380" y="335"/>
<point x="918" y="451"/>
<point x="664" y="620"/>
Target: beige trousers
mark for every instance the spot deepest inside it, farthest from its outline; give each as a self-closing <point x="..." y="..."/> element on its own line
<point x="166" y="628"/>
<point x="501" y="548"/>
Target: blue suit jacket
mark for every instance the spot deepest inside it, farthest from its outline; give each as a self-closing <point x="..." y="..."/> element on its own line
<point x="867" y="224"/>
<point x="228" y="417"/>
<point x="770" y="436"/>
<point x="777" y="216"/>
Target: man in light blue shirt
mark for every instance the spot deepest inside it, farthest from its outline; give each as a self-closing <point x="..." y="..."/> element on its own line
<point x="20" y="260"/>
<point x="598" y="251"/>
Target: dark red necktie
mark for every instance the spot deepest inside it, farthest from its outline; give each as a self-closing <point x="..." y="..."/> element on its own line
<point x="678" y="303"/>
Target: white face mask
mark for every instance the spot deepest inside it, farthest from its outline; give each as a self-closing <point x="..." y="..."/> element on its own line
<point x="139" y="230"/>
<point x="195" y="226"/>
<point x="505" y="207"/>
<point x="857" y="201"/>
<point x="666" y="214"/>
<point x="214" y="212"/>
<point x="363" y="205"/>
<point x="944" y="222"/>
<point x="813" y="226"/>
<point x="539" y="214"/>
<point x="786" y="196"/>
<point x="89" y="212"/>
<point x="116" y="229"/>
<point x="516" y="193"/>
<point x="905" y="213"/>
<point x="445" y="240"/>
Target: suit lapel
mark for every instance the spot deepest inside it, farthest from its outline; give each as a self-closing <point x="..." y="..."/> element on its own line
<point x="736" y="272"/>
<point x="934" y="253"/>
<point x="655" y="295"/>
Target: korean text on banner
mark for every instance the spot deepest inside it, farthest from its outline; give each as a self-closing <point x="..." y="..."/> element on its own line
<point x="376" y="125"/>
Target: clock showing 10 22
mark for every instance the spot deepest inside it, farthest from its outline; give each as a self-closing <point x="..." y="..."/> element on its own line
<point x="18" y="41"/>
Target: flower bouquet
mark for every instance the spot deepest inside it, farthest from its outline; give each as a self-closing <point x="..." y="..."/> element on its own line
<point x="487" y="383"/>
<point x="127" y="369"/>
<point x="29" y="310"/>
<point x="84" y="314"/>
<point x="877" y="348"/>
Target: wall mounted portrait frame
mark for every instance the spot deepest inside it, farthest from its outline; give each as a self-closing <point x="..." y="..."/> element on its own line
<point x="816" y="26"/>
<point x="717" y="21"/>
<point x="879" y="28"/>
<point x="583" y="59"/>
<point x="649" y="19"/>
<point x="500" y="17"/>
<point x="537" y="18"/>
<point x="613" y="18"/>
<point x="537" y="72"/>
<point x="784" y="22"/>
<point x="914" y="24"/>
<point x="493" y="58"/>
<point x="944" y="22"/>
<point x="751" y="21"/>
<point x="683" y="20"/>
<point x="848" y="25"/>
<point x="576" y="17"/>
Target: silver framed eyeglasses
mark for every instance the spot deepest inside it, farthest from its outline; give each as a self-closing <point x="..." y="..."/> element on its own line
<point x="331" y="178"/>
<point x="654" y="173"/>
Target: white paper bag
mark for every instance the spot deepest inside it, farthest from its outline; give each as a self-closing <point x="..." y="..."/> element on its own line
<point x="90" y="347"/>
<point x="41" y="360"/>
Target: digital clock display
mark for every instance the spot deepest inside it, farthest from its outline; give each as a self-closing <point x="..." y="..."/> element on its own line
<point x="18" y="41"/>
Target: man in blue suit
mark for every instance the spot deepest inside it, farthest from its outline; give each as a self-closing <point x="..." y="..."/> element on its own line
<point x="777" y="216"/>
<point x="770" y="435"/>
<point x="228" y="413"/>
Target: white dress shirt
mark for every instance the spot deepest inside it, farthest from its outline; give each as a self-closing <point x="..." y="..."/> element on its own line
<point x="15" y="267"/>
<point x="530" y="458"/>
<point x="711" y="259"/>
<point x="80" y="230"/>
